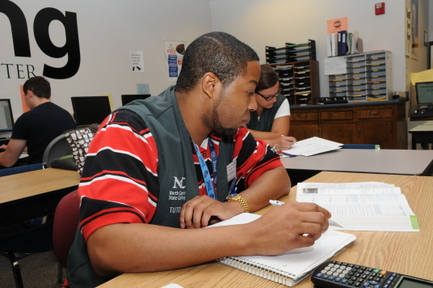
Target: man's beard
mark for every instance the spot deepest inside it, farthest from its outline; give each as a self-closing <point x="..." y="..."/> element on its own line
<point x="216" y="123"/>
<point x="218" y="128"/>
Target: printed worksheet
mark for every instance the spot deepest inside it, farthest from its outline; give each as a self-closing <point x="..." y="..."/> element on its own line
<point x="312" y="146"/>
<point x="369" y="206"/>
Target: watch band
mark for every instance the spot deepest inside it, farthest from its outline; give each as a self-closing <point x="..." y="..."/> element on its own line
<point x="241" y="200"/>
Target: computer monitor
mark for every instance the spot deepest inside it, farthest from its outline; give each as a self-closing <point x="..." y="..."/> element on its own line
<point x="6" y="117"/>
<point x="126" y="98"/>
<point x="424" y="93"/>
<point x="90" y="109"/>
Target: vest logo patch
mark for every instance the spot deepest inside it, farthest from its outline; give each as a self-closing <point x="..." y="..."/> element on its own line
<point x="179" y="184"/>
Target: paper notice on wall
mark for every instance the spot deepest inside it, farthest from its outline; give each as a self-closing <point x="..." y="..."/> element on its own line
<point x="137" y="61"/>
<point x="143" y="88"/>
<point x="174" y="50"/>
<point x="339" y="24"/>
<point x="335" y="65"/>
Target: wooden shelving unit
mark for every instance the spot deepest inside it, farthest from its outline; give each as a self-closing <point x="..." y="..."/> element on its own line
<point x="298" y="71"/>
<point x="291" y="53"/>
<point x="299" y="81"/>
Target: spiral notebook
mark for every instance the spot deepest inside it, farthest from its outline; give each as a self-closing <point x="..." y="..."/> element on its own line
<point x="291" y="267"/>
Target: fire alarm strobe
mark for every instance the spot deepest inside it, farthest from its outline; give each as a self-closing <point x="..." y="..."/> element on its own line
<point x="379" y="8"/>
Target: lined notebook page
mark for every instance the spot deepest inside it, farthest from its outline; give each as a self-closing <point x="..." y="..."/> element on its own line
<point x="294" y="264"/>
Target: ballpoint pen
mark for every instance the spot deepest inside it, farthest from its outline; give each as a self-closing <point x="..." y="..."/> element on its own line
<point x="278" y="203"/>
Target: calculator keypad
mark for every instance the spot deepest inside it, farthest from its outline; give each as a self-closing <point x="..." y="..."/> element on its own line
<point x="350" y="275"/>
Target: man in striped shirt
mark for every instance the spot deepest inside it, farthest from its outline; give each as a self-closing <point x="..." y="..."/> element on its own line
<point x="160" y="169"/>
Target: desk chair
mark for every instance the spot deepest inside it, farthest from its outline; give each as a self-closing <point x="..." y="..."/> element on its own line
<point x="58" y="148"/>
<point x="19" y="240"/>
<point x="66" y="219"/>
<point x="79" y="140"/>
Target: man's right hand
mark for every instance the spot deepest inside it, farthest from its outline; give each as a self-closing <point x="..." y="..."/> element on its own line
<point x="287" y="227"/>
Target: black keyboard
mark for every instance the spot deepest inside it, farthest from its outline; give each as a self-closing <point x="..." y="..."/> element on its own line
<point x="332" y="100"/>
<point x="422" y="113"/>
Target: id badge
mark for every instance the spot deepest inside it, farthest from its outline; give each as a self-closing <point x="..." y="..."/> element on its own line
<point x="231" y="171"/>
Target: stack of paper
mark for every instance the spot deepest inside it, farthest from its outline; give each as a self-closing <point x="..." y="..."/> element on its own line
<point x="371" y="206"/>
<point x="312" y="146"/>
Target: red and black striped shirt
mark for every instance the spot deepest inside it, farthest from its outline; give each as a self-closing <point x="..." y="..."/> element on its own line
<point x="120" y="179"/>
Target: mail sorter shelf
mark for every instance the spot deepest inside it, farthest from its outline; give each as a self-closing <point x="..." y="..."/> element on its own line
<point x="291" y="52"/>
<point x="299" y="81"/>
<point x="367" y="77"/>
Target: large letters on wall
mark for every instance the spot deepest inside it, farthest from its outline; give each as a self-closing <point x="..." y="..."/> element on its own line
<point x="43" y="18"/>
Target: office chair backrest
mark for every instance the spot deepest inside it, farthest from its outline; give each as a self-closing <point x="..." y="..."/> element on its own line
<point x="65" y="225"/>
<point x="79" y="140"/>
<point x="58" y="147"/>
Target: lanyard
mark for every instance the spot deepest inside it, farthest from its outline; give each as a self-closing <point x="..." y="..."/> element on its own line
<point x="210" y="185"/>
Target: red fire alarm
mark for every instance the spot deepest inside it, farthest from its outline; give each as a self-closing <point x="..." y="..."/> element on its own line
<point x="379" y="8"/>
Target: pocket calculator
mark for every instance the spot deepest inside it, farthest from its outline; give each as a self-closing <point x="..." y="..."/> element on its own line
<point x="337" y="274"/>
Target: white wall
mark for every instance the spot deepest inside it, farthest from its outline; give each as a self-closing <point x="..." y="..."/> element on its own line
<point x="108" y="31"/>
<point x="273" y="22"/>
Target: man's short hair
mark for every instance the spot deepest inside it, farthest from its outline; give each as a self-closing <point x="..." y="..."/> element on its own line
<point x="39" y="86"/>
<point x="216" y="52"/>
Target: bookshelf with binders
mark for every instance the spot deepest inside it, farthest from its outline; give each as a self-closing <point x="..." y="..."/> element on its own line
<point x="367" y="78"/>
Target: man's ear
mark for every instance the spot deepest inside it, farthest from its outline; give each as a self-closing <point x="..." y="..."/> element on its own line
<point x="30" y="93"/>
<point x="210" y="84"/>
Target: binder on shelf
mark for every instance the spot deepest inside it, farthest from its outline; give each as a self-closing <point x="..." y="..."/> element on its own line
<point x="335" y="46"/>
<point x="342" y="42"/>
<point x="354" y="43"/>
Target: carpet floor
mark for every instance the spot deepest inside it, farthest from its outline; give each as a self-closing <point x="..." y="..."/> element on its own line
<point x="38" y="271"/>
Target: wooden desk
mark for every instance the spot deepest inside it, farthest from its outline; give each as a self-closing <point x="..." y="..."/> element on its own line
<point x="422" y="134"/>
<point x="34" y="194"/>
<point x="404" y="252"/>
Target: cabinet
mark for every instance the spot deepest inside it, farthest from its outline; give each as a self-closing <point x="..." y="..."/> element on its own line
<point x="367" y="77"/>
<point x="382" y="123"/>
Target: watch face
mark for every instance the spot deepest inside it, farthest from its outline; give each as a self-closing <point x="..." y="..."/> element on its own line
<point x="232" y="196"/>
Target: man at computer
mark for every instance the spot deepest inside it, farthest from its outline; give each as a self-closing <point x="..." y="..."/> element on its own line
<point x="35" y="129"/>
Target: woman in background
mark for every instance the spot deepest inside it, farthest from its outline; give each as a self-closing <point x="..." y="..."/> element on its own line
<point x="271" y="120"/>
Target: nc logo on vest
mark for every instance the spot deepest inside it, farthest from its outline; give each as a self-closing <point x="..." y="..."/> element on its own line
<point x="179" y="183"/>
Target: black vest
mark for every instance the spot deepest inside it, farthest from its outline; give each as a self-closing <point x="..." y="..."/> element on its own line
<point x="176" y="173"/>
<point x="177" y="176"/>
<point x="267" y="117"/>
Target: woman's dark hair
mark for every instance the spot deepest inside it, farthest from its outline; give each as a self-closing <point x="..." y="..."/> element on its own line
<point x="268" y="78"/>
<point x="216" y="52"/>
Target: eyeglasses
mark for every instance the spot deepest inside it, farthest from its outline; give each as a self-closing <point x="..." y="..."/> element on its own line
<point x="269" y="98"/>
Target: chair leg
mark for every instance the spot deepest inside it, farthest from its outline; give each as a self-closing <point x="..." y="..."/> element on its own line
<point x="15" y="268"/>
<point x="59" y="273"/>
